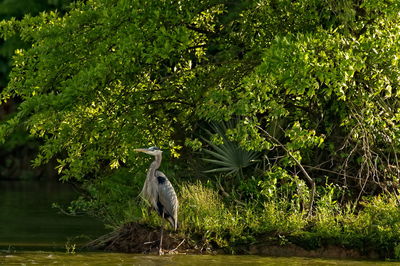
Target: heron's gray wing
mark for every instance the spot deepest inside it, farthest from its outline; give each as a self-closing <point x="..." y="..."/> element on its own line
<point x="167" y="199"/>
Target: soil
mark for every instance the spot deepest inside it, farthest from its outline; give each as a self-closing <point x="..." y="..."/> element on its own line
<point x="138" y="238"/>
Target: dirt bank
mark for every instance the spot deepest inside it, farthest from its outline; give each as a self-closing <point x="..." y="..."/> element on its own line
<point x="138" y="238"/>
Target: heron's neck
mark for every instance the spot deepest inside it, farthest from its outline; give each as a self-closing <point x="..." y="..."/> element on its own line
<point x="155" y="165"/>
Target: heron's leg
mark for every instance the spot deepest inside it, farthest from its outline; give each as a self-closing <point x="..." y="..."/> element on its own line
<point x="160" y="251"/>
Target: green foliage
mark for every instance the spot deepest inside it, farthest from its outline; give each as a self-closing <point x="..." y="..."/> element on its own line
<point x="327" y="221"/>
<point x="382" y="225"/>
<point x="321" y="87"/>
<point x="285" y="197"/>
<point x="17" y="9"/>
<point x="205" y="216"/>
<point x="202" y="213"/>
<point x="375" y="226"/>
<point x="227" y="155"/>
<point x="279" y="218"/>
<point x="19" y="148"/>
<point x="397" y="251"/>
<point x="278" y="184"/>
<point x="147" y="73"/>
<point x="96" y="94"/>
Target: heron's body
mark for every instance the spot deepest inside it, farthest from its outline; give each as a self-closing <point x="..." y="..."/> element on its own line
<point x="159" y="192"/>
<point x="158" y="184"/>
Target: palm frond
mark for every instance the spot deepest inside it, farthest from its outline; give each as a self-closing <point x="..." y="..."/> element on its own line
<point x="227" y="157"/>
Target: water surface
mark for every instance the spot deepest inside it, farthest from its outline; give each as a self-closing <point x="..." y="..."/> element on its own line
<point x="46" y="258"/>
<point x="28" y="221"/>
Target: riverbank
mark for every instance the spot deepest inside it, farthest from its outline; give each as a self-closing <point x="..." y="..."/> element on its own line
<point x="367" y="230"/>
<point x="142" y="239"/>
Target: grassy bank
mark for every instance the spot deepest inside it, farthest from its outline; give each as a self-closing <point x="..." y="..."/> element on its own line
<point x="216" y="222"/>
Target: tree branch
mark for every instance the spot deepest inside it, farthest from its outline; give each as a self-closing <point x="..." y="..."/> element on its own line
<point x="307" y="176"/>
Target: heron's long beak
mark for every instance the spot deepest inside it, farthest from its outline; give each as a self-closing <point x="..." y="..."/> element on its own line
<point x="140" y="150"/>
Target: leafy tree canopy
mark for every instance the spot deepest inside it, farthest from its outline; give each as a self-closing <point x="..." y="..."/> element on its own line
<point x="317" y="77"/>
<point x="17" y="9"/>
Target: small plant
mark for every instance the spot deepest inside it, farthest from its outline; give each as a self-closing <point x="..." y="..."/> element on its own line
<point x="283" y="241"/>
<point x="10" y="249"/>
<point x="70" y="248"/>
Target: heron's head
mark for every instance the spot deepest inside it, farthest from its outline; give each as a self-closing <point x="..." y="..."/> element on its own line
<point x="151" y="151"/>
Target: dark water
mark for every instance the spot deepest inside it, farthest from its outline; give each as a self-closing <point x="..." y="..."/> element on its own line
<point x="28" y="221"/>
<point x="32" y="232"/>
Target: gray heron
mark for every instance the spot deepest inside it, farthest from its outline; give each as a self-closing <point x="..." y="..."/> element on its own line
<point x="159" y="192"/>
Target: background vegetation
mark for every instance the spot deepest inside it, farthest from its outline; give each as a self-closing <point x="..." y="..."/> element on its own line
<point x="280" y="117"/>
<point x="19" y="149"/>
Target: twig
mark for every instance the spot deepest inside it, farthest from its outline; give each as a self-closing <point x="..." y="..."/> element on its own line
<point x="397" y="197"/>
<point x="172" y="250"/>
<point x="329" y="171"/>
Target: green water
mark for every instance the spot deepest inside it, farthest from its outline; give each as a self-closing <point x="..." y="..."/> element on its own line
<point x="28" y="221"/>
<point x="57" y="258"/>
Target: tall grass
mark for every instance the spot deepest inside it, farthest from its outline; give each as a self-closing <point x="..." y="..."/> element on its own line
<point x="203" y="214"/>
<point x="376" y="225"/>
